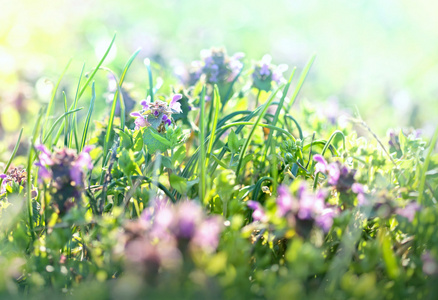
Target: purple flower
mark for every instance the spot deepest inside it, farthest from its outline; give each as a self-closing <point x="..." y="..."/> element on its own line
<point x="3" y="185"/>
<point x="145" y="103"/>
<point x="45" y="155"/>
<point x="258" y="213"/>
<point x="430" y="265"/>
<point x="321" y="165"/>
<point x="325" y="219"/>
<point x="140" y="121"/>
<point x="285" y="202"/>
<point x="333" y="173"/>
<point x="207" y="234"/>
<point x="277" y="74"/>
<point x="265" y="65"/>
<point x="188" y="215"/>
<point x="82" y="163"/>
<point x="174" y="104"/>
<point x="409" y="210"/>
<point x="310" y="204"/>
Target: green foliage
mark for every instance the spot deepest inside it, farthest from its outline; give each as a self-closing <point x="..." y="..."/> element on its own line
<point x="356" y="222"/>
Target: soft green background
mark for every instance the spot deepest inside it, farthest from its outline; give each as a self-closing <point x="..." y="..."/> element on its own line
<point x="380" y="56"/>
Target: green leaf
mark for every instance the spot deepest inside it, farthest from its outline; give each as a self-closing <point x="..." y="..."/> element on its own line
<point x="154" y="141"/>
<point x="233" y="142"/>
<point x="178" y="183"/>
<point x="165" y="161"/>
<point x="126" y="162"/>
<point x="179" y="155"/>
<point x="125" y="140"/>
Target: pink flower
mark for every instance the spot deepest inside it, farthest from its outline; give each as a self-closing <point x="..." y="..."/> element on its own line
<point x="408" y="211"/>
<point x="285" y="202"/>
<point x="321" y="166"/>
<point x="259" y="213"/>
<point x="140" y="121"/>
<point x="174" y="104"/>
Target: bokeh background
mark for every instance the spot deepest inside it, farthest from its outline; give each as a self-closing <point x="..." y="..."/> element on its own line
<point x="376" y="57"/>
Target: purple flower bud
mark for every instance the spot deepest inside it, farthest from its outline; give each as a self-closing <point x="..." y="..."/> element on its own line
<point x="259" y="213"/>
<point x="285" y="202"/>
<point x="146" y="103"/>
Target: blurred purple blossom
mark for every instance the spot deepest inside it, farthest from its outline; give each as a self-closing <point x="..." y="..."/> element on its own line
<point x="409" y="211"/>
<point x="265" y="73"/>
<point x="65" y="169"/>
<point x="430" y="265"/>
<point x="285" y="202"/>
<point x="308" y="207"/>
<point x="258" y="211"/>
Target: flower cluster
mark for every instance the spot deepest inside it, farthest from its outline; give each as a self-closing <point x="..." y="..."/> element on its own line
<point x="303" y="211"/>
<point x="165" y="233"/>
<point x="66" y="171"/>
<point x="340" y="177"/>
<point x="265" y="73"/>
<point x="216" y="66"/>
<point x="307" y="207"/>
<point x="157" y="114"/>
<point x="16" y="179"/>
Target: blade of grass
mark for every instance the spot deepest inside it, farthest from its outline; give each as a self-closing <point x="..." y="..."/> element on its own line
<point x="248" y="139"/>
<point x="201" y="164"/>
<point x="73" y="118"/>
<point x="147" y="63"/>
<point x="66" y="128"/>
<point x="96" y="68"/>
<point x="52" y="99"/>
<point x="425" y="166"/>
<point x="300" y="82"/>
<point x="30" y="159"/>
<point x="12" y="155"/>
<point x="113" y="108"/>
<point x="59" y="120"/>
<point x="216" y="102"/>
<point x="277" y="113"/>
<point x="87" y="121"/>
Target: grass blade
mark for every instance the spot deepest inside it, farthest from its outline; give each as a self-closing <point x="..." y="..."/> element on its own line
<point x="87" y="121"/>
<point x="113" y="108"/>
<point x="96" y="68"/>
<point x="30" y="159"/>
<point x="216" y="102"/>
<point x="247" y="141"/>
<point x="301" y="81"/>
<point x="277" y="113"/>
<point x="59" y="120"/>
<point x="201" y="164"/>
<point x="73" y="118"/>
<point x="425" y="166"/>
<point x="13" y="154"/>
<point x="147" y="63"/>
<point x="52" y="99"/>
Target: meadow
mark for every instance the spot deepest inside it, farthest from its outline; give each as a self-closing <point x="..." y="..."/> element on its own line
<point x="208" y="173"/>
